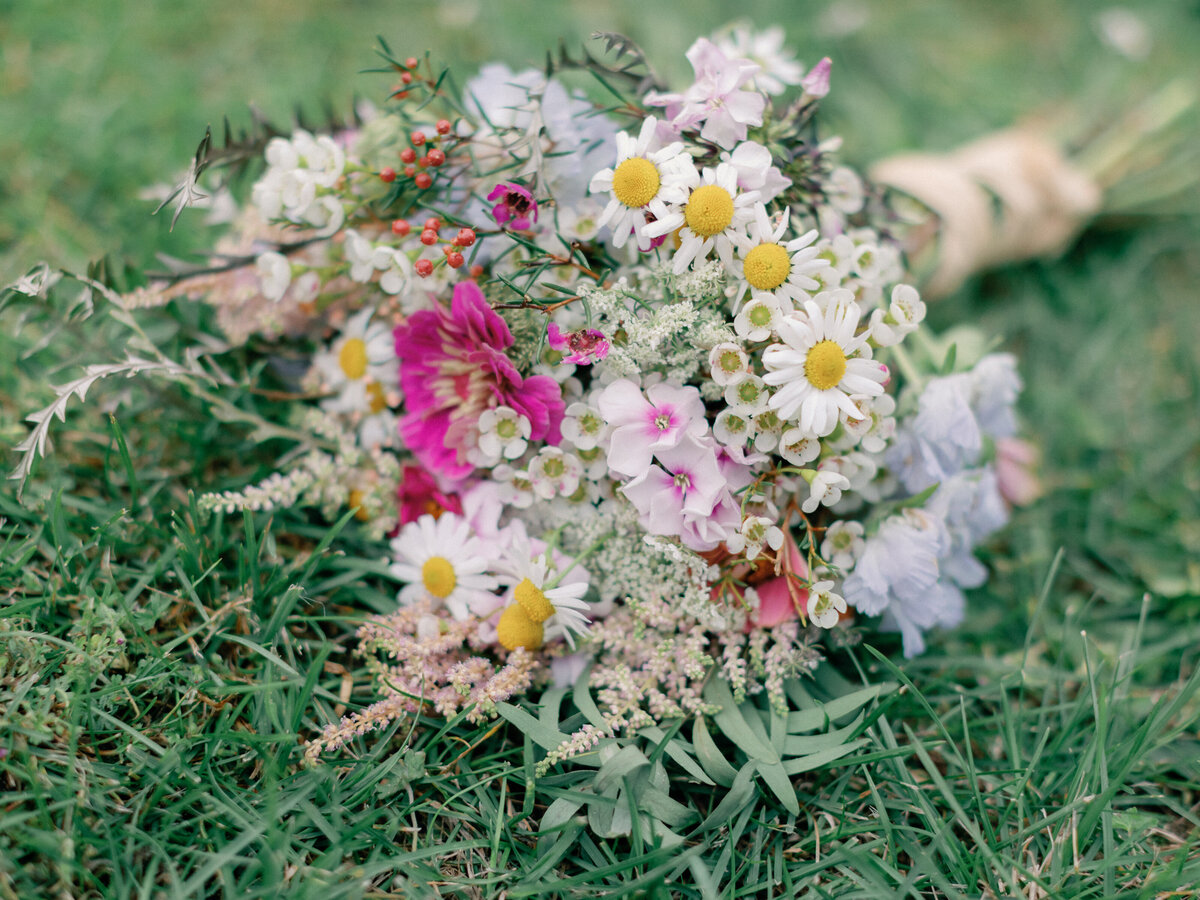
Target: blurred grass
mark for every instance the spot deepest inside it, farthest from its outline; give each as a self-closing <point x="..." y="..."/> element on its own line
<point x="100" y="100"/>
<point x="168" y="763"/>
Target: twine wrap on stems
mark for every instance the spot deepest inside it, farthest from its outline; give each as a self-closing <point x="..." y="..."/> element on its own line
<point x="1006" y="197"/>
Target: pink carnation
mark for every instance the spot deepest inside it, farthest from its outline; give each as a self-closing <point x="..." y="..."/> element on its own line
<point x="453" y="368"/>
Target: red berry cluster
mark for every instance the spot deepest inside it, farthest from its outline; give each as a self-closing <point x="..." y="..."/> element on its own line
<point x="430" y="235"/>
<point x="415" y="163"/>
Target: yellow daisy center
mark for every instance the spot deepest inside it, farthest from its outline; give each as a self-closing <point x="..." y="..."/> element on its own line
<point x="515" y="629"/>
<point x="709" y="210"/>
<point x="635" y="182"/>
<point x="767" y="266"/>
<point x="376" y="399"/>
<point x="533" y="601"/>
<point x="353" y="358"/>
<point x="825" y="365"/>
<point x="356" y="499"/>
<point x="438" y="575"/>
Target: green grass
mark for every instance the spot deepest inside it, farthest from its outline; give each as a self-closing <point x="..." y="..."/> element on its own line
<point x="158" y="672"/>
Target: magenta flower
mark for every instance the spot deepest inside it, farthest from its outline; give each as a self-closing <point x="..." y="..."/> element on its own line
<point x="453" y="369"/>
<point x="585" y="346"/>
<point x="516" y="208"/>
<point x="645" y="425"/>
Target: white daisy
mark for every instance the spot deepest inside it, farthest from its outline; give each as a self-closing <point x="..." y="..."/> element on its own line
<point x="715" y="216"/>
<point x="642" y="182"/>
<point x="442" y="558"/>
<point x="546" y="605"/>
<point x="360" y="365"/>
<point x="822" y="364"/>
<point x="780" y="269"/>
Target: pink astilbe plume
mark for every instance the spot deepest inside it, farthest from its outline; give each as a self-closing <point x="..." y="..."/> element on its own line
<point x="421" y="662"/>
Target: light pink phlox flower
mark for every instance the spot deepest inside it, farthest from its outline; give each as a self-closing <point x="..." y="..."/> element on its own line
<point x="516" y="208"/>
<point x="687" y="497"/>
<point x="455" y="368"/>
<point x="716" y="98"/>
<point x="584" y="347"/>
<point x="816" y="82"/>
<point x="645" y="425"/>
<point x="738" y="465"/>
<point x="756" y="173"/>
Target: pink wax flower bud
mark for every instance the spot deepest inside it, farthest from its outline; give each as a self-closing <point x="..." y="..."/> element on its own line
<point x="516" y="208"/>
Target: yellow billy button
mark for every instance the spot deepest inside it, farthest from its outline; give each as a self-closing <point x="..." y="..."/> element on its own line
<point x="709" y="210"/>
<point x="438" y="577"/>
<point x="353" y="358"/>
<point x="515" y="629"/>
<point x="356" y="499"/>
<point x="767" y="266"/>
<point x="825" y="365"/>
<point x="635" y="182"/>
<point x="533" y="601"/>
<point x="376" y="398"/>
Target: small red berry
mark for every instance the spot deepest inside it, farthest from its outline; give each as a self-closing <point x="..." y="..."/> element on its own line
<point x="429" y="238"/>
<point x="424" y="267"/>
<point x="454" y="259"/>
<point x="401" y="95"/>
<point x="401" y="227"/>
<point x="423" y="162"/>
<point x="410" y="171"/>
<point x="418" y="138"/>
<point x="424" y="180"/>
<point x="408" y="155"/>
<point x="476" y="270"/>
<point x="406" y="77"/>
<point x="465" y="237"/>
<point x="436" y="157"/>
<point x="412" y="62"/>
<point x="388" y="175"/>
<point x="433" y="223"/>
<point x="443" y="126"/>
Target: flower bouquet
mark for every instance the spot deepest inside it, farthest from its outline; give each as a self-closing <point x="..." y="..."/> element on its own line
<point x="632" y="393"/>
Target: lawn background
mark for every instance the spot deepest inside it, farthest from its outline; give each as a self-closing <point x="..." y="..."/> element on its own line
<point x="1028" y="756"/>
